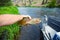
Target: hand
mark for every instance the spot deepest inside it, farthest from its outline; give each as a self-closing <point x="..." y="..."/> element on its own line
<point x="8" y="19"/>
<point x="26" y="18"/>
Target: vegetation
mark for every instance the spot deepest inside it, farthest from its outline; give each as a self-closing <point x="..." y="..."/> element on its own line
<point x="8" y="10"/>
<point x="5" y="3"/>
<point x="34" y="2"/>
<point x="8" y="32"/>
<point x="52" y="4"/>
<point x="13" y="29"/>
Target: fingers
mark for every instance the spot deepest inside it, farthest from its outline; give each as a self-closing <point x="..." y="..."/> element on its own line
<point x="29" y="17"/>
<point x="26" y="18"/>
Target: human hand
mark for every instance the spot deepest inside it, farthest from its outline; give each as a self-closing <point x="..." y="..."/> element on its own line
<point x="8" y="19"/>
<point x="26" y="17"/>
<point x="25" y="20"/>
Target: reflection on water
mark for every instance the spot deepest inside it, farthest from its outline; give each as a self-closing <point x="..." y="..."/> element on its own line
<point x="38" y="12"/>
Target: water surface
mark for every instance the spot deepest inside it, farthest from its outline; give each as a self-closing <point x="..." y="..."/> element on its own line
<point x="38" y="12"/>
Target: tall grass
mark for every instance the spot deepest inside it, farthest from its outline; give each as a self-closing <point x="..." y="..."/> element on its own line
<point x="11" y="29"/>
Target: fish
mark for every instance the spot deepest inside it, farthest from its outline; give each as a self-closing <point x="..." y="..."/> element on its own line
<point x="26" y="21"/>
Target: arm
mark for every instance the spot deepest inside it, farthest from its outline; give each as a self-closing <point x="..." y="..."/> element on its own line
<point x="8" y="19"/>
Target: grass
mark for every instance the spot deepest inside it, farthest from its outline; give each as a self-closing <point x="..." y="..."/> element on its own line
<point x="9" y="10"/>
<point x="13" y="29"/>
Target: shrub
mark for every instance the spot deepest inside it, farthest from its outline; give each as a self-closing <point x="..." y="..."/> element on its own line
<point x="34" y="2"/>
<point x="52" y="4"/>
<point x="5" y="2"/>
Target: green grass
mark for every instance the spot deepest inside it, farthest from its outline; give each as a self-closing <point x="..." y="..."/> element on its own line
<point x="13" y="29"/>
<point x="9" y="10"/>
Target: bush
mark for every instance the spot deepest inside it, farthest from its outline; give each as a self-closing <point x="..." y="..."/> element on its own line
<point x="52" y="4"/>
<point x="5" y="2"/>
<point x="34" y="2"/>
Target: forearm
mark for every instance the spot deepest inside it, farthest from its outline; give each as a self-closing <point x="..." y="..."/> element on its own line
<point x="8" y="19"/>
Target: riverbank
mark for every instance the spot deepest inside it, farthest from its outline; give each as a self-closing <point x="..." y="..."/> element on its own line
<point x="8" y="10"/>
<point x="9" y="32"/>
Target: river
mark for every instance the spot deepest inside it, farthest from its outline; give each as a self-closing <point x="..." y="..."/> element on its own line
<point x="38" y="12"/>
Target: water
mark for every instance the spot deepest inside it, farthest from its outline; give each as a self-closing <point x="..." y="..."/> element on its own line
<point x="38" y="12"/>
